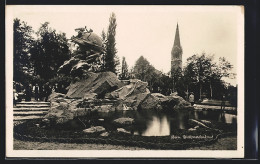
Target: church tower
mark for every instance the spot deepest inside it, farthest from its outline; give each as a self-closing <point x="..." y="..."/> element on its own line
<point x="176" y="54"/>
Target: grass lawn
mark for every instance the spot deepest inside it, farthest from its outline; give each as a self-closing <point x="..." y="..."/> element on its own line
<point x="28" y="145"/>
<point x="227" y="143"/>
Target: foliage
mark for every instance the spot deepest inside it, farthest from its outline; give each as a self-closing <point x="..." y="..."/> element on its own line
<point x="22" y="43"/>
<point x="104" y="38"/>
<point x="176" y="77"/>
<point x="202" y="74"/>
<point x="104" y="43"/>
<point x="124" y="70"/>
<point x="143" y="70"/>
<point x="49" y="51"/>
<point x="110" y="60"/>
<point x="61" y="80"/>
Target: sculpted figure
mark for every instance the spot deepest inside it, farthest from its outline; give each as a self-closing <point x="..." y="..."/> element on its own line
<point x="88" y="57"/>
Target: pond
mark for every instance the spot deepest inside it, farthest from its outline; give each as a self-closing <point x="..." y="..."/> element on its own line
<point x="152" y="123"/>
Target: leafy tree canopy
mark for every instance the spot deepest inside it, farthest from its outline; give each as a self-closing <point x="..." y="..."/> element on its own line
<point x="49" y="51"/>
<point x="22" y="43"/>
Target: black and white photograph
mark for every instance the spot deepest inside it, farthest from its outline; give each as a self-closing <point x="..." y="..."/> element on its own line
<point x="125" y="81"/>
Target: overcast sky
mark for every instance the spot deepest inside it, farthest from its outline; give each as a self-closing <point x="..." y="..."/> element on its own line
<point x="148" y="30"/>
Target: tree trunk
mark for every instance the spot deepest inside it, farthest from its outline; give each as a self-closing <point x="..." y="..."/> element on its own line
<point x="200" y="90"/>
<point x="187" y="98"/>
<point x="210" y="90"/>
<point x="173" y="86"/>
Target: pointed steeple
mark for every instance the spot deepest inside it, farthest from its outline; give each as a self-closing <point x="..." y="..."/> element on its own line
<point x="177" y="37"/>
<point x="176" y="53"/>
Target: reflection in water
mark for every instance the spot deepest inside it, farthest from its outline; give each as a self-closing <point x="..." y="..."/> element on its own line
<point x="150" y="123"/>
<point x="196" y="116"/>
<point x="222" y="117"/>
<point x="230" y="118"/>
<point x="157" y="127"/>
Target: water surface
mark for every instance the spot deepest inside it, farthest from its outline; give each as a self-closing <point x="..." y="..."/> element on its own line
<point x="152" y="123"/>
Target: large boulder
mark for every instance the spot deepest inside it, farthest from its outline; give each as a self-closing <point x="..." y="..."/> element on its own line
<point x="123" y="131"/>
<point x="94" y="129"/>
<point x="105" y="108"/>
<point x="98" y="83"/>
<point x="62" y="109"/>
<point x="180" y="102"/>
<point x="160" y="102"/>
<point x="124" y="121"/>
<point x="130" y="95"/>
<point x="157" y="101"/>
<point x="55" y="95"/>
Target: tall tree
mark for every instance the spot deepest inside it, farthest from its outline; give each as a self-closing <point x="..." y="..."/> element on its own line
<point x="22" y="43"/>
<point x="202" y="72"/>
<point x="104" y="42"/>
<point x="49" y="51"/>
<point x="202" y="69"/>
<point x="124" y="75"/>
<point x="111" y="60"/>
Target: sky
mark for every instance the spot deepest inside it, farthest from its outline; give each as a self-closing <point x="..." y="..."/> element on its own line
<point x="149" y="30"/>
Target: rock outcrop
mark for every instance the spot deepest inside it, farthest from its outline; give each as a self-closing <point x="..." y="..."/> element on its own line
<point x="62" y="109"/>
<point x="157" y="101"/>
<point x="180" y="103"/>
<point x="123" y="131"/>
<point x="55" y="95"/>
<point x="94" y="129"/>
<point x="161" y="102"/>
<point x="87" y="95"/>
<point x="98" y="83"/>
<point x="130" y="95"/>
<point x="124" y="121"/>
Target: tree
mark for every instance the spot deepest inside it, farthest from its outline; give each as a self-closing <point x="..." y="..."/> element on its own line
<point x="201" y="69"/>
<point x="189" y="78"/>
<point x="177" y="75"/>
<point x="146" y="72"/>
<point x="165" y="83"/>
<point x="111" y="61"/>
<point x="104" y="42"/>
<point x="124" y="70"/>
<point x="104" y="37"/>
<point x="22" y="43"/>
<point x="49" y="51"/>
<point x="203" y="73"/>
<point x="224" y="68"/>
<point x="143" y="70"/>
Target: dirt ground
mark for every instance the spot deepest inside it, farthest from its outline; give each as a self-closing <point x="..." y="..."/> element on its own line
<point x="228" y="143"/>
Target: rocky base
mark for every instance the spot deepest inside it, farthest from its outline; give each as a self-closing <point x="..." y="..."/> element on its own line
<point x="100" y="93"/>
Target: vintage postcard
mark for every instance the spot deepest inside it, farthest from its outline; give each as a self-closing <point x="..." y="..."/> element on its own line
<point x="125" y="81"/>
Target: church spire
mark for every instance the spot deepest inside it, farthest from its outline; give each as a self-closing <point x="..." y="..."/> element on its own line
<point x="177" y="37"/>
<point x="176" y="53"/>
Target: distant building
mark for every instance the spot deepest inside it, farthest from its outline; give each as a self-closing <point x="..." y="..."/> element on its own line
<point x="176" y="54"/>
